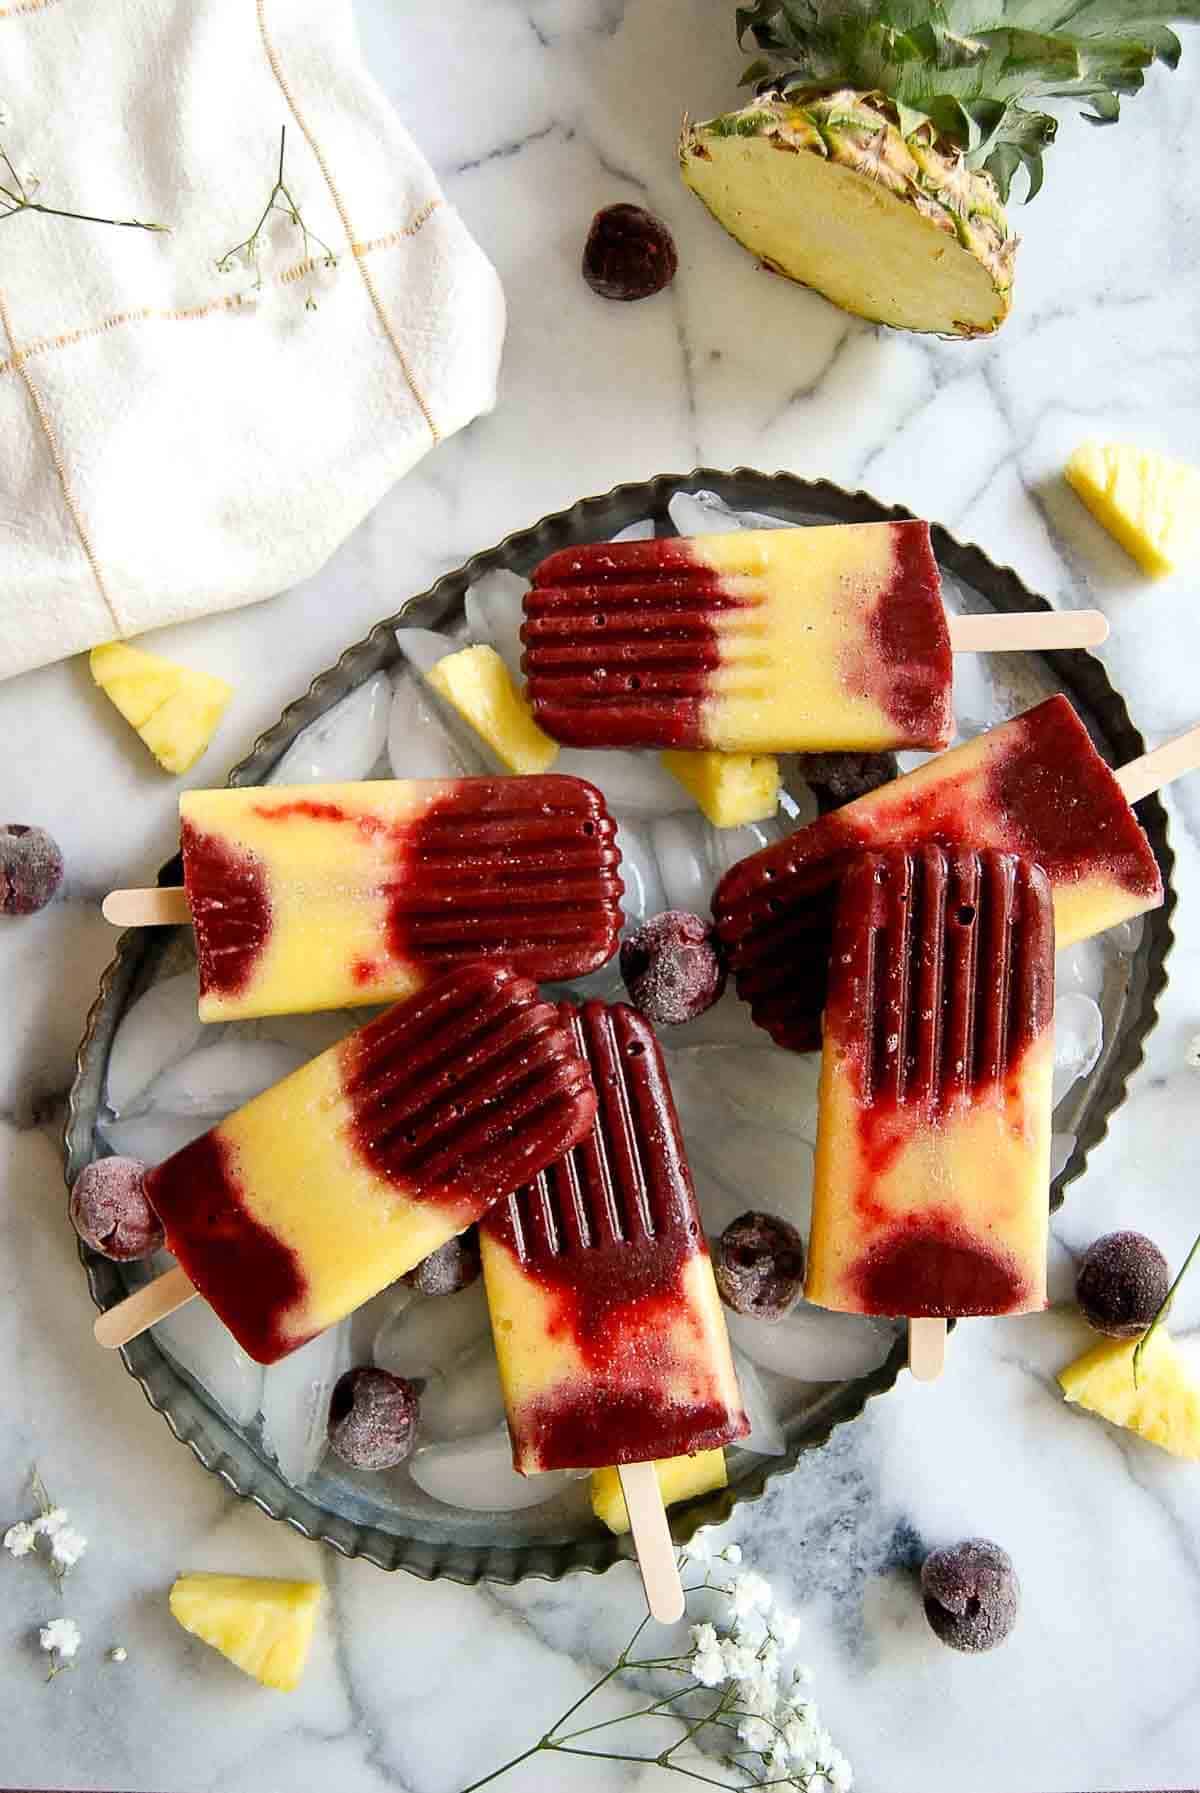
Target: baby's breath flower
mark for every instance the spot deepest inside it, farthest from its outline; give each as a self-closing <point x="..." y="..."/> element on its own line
<point x="785" y="1628"/>
<point x="66" y="1547"/>
<point x="1191" y="1055"/>
<point x="750" y="1592"/>
<point x="757" y="1734"/>
<point x="838" y="1772"/>
<point x="740" y="1659"/>
<point x="21" y="1538"/>
<point x="60" y="1636"/>
<point x="732" y="1554"/>
<point x="800" y="1734"/>
<point x="51" y="1521"/>
<point x="118" y="1653"/>
<point x="699" y="1548"/>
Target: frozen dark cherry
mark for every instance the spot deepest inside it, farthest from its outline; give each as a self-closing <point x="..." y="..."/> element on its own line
<point x="838" y="778"/>
<point x="448" y="1269"/>
<point x="672" y="967"/>
<point x="629" y="253"/>
<point x="31" y="868"/>
<point x="759" y="1266"/>
<point x="373" y="1418"/>
<point x="971" y="1594"/>
<point x="111" y="1212"/>
<point x="1122" y="1283"/>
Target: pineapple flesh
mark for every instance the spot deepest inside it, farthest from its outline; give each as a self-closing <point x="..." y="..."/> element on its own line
<point x="833" y="195"/>
<point x="478" y="684"/>
<point x="730" y="788"/>
<point x="679" y="1478"/>
<point x="173" y="708"/>
<point x="1150" y="504"/>
<point x="1163" y="1406"/>
<point x="264" y="1626"/>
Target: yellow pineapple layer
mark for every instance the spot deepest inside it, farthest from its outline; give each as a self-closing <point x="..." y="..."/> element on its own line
<point x="1163" y="1406"/>
<point x="264" y="1626"/>
<point x="1150" y="504"/>
<point x="173" y="708"/>
<point x="679" y="1478"/>
<point x="477" y="683"/>
<point x="730" y="788"/>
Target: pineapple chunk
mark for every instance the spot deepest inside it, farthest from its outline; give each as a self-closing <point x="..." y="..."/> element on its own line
<point x="174" y="709"/>
<point x="730" y="788"/>
<point x="1163" y="1406"/>
<point x="477" y="682"/>
<point x="264" y="1626"/>
<point x="679" y="1478"/>
<point x="1149" y="503"/>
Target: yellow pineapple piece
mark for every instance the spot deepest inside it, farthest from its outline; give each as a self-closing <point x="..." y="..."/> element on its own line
<point x="1149" y="503"/>
<point x="1163" y="1406"/>
<point x="477" y="682"/>
<point x="679" y="1478"/>
<point x="264" y="1626"/>
<point x="173" y="708"/>
<point x="730" y="788"/>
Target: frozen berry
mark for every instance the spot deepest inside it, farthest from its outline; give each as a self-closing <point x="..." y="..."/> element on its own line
<point x="759" y="1266"/>
<point x="838" y="778"/>
<point x="373" y="1418"/>
<point x="1122" y="1283"/>
<point x="111" y="1212"/>
<point x="672" y="967"/>
<point x="629" y="253"/>
<point x="31" y="868"/>
<point x="448" y="1269"/>
<point x="971" y="1594"/>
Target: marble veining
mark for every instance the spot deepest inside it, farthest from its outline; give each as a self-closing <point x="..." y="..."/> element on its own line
<point x="536" y="113"/>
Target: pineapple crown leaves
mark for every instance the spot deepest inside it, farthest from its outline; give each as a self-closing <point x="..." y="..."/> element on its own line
<point x="961" y="68"/>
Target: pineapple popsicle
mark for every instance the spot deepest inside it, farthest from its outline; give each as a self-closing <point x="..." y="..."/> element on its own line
<point x="325" y="896"/>
<point x="930" y="1197"/>
<point x="320" y="1192"/>
<point x="608" y="1326"/>
<point x="1035" y="785"/>
<point x="761" y="642"/>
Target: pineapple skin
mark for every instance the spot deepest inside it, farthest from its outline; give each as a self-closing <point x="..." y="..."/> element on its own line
<point x="1163" y="1407"/>
<point x="1148" y="503"/>
<point x="264" y="1626"/>
<point x="859" y="135"/>
<point x="679" y="1478"/>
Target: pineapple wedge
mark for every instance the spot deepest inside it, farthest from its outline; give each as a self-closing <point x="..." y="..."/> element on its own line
<point x="1149" y="503"/>
<point x="679" y="1478"/>
<point x="1163" y="1406"/>
<point x="264" y="1626"/>
<point x="477" y="682"/>
<point x="173" y="708"/>
<point x="730" y="788"/>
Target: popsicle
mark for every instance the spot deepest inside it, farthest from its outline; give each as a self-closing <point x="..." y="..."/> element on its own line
<point x="760" y="642"/>
<point x="1035" y="785"/>
<point x="608" y="1327"/>
<point x="303" y="1204"/>
<point x="328" y="896"/>
<point x="933" y="1135"/>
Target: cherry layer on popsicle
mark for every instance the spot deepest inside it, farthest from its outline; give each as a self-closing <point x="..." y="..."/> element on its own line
<point x="608" y="1327"/>
<point x="1035" y="785"/>
<point x="930" y="1196"/>
<point x="325" y="896"/>
<point x="307" y="1201"/>
<point x="758" y="642"/>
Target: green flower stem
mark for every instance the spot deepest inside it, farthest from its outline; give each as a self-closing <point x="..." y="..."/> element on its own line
<point x="1163" y="1311"/>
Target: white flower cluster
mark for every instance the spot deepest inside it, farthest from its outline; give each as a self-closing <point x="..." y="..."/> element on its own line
<point x="65" y="1543"/>
<point x="1192" y="1052"/>
<point x="775" y="1717"/>
<point x="60" y="1638"/>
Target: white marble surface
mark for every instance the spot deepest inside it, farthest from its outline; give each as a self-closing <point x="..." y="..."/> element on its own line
<point x="537" y="111"/>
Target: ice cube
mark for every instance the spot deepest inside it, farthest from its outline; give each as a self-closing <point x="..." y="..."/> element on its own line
<point x="812" y="1344"/>
<point x="1126" y="937"/>
<point x="466" y="1402"/>
<point x="641" y="531"/>
<point x="1061" y="1147"/>
<point x="295" y="1402"/>
<point x="199" y="1344"/>
<point x="419" y="745"/>
<point x="797" y="799"/>
<point x="477" y="1474"/>
<point x="153" y="1137"/>
<point x="639" y="872"/>
<point x="495" y="612"/>
<point x="344" y="743"/>
<point x="1080" y="969"/>
<point x="1078" y="1038"/>
<point x="682" y="854"/>
<point x="423" y="648"/>
<point x="159" y="1029"/>
<point x="215" y="1080"/>
<point x="309" y="1035"/>
<point x="704" y="513"/>
<point x="636" y="783"/>
<point x="976" y="701"/>
<point x="726" y="846"/>
<point x="766" y="1434"/>
<point x="432" y="1336"/>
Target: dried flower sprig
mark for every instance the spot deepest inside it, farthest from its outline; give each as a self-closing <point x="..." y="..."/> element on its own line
<point x="18" y="193"/>
<point x="736" y="1708"/>
<point x="52" y="1524"/>
<point x="60" y="1639"/>
<point x="249" y="251"/>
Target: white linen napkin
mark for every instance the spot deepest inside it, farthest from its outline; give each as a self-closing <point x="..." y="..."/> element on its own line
<point x="171" y="441"/>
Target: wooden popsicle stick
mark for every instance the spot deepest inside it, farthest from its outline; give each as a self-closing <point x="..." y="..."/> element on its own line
<point x="926" y="1349"/>
<point x="652" y="1541"/>
<point x="117" y="1325"/>
<point x="1153" y="770"/>
<point x="146" y="908"/>
<point x="1029" y="632"/>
